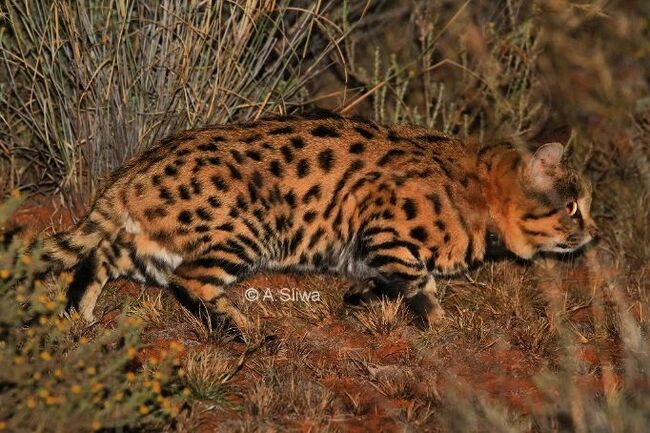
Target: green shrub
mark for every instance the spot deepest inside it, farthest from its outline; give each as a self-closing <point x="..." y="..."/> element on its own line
<point x="58" y="375"/>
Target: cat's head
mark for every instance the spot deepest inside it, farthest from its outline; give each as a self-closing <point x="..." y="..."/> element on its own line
<point x="548" y="204"/>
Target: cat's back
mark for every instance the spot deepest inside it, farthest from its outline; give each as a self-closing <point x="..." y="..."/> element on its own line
<point x="294" y="177"/>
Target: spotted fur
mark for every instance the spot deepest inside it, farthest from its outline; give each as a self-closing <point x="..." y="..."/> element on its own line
<point x="391" y="207"/>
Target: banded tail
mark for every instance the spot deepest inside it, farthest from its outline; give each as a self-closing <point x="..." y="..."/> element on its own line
<point x="63" y="251"/>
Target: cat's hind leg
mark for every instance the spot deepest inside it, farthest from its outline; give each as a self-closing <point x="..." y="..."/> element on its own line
<point x="200" y="286"/>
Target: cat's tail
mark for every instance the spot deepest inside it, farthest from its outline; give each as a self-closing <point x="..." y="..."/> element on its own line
<point x="63" y="251"/>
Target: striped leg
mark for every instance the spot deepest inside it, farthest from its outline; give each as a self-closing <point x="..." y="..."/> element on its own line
<point x="400" y="269"/>
<point x="89" y="279"/>
<point x="108" y="261"/>
<point x="202" y="282"/>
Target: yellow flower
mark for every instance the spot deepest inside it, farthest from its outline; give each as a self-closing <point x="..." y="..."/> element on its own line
<point x="20" y="298"/>
<point x="119" y="396"/>
<point x="96" y="425"/>
<point x="58" y="373"/>
<point x="19" y="360"/>
<point x="130" y="376"/>
<point x="181" y="372"/>
<point x="176" y="346"/>
<point x="76" y="389"/>
<point x="31" y="332"/>
<point x="15" y="193"/>
<point x="143" y="409"/>
<point x="43" y="393"/>
<point x="83" y="340"/>
<point x="96" y="387"/>
<point x="42" y="320"/>
<point x="91" y="371"/>
<point x="27" y="260"/>
<point x="42" y="298"/>
<point x="51" y="400"/>
<point x="80" y="364"/>
<point x="31" y="402"/>
<point x="50" y="305"/>
<point x="4" y="274"/>
<point x="3" y="425"/>
<point x="38" y="375"/>
<point x="186" y="392"/>
<point x="155" y="386"/>
<point x="131" y="352"/>
<point x="46" y="356"/>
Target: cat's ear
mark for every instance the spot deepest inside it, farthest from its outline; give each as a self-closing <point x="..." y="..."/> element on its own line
<point x="543" y="165"/>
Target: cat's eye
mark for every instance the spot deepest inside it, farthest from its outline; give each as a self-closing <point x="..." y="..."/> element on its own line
<point x="572" y="207"/>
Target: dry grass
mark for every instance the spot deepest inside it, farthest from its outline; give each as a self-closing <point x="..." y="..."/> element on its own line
<point x="557" y="345"/>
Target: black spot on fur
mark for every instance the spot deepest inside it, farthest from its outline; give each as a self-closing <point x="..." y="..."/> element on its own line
<point x="226" y="227"/>
<point x="183" y="192"/>
<point x="214" y="201"/>
<point x="207" y="147"/>
<point x="185" y="217"/>
<point x="218" y="182"/>
<point x="441" y="225"/>
<point x="234" y="172"/>
<point x="237" y="156"/>
<point x="197" y="188"/>
<point x="410" y="209"/>
<point x="313" y="192"/>
<point x="326" y="160"/>
<point x="419" y="233"/>
<point x="290" y="198"/>
<point x="252" y="138"/>
<point x="297" y="142"/>
<point x="275" y="168"/>
<point x="257" y="179"/>
<point x="155" y="212"/>
<point x="435" y="201"/>
<point x="325" y="131"/>
<point x="166" y="195"/>
<point x="204" y="214"/>
<point x="388" y="156"/>
<point x="357" y="148"/>
<point x="309" y="216"/>
<point x="281" y="130"/>
<point x="364" y="132"/>
<point x="287" y="153"/>
<point x="252" y="192"/>
<point x="241" y="203"/>
<point x="302" y="168"/>
<point x="254" y="155"/>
